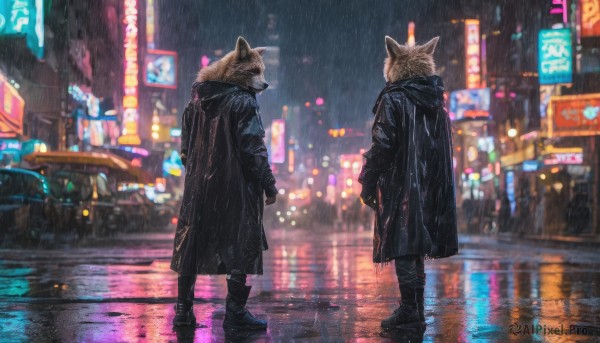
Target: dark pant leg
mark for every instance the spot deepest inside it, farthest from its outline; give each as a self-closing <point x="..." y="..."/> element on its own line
<point x="406" y="270"/>
<point x="185" y="289"/>
<point x="239" y="278"/>
<point x="420" y="264"/>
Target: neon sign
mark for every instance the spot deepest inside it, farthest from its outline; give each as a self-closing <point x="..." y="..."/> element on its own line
<point x="278" y="141"/>
<point x="574" y="115"/>
<point x="131" y="82"/>
<point x="555" y="56"/>
<point x="150" y="24"/>
<point x="472" y="49"/>
<point x="560" y="7"/>
<point x="24" y="17"/>
<point x="564" y="158"/>
<point x="590" y="18"/>
<point x="12" y="108"/>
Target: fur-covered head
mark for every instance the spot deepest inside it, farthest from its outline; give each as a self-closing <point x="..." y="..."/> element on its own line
<point x="243" y="66"/>
<point x="404" y="62"/>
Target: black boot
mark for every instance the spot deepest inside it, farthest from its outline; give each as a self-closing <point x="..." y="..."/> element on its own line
<point x="184" y="309"/>
<point x="405" y="315"/>
<point x="237" y="317"/>
<point x="421" y="305"/>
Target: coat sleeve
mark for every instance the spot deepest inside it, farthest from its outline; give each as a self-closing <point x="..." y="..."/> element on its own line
<point x="250" y="136"/>
<point x="383" y="147"/>
<point x="186" y="122"/>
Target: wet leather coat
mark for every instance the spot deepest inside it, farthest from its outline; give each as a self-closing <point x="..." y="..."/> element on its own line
<point x="408" y="175"/>
<point x="220" y="228"/>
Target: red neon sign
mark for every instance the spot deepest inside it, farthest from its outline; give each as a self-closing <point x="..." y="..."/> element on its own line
<point x="12" y="108"/>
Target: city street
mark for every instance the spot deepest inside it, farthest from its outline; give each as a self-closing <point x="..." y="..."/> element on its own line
<point x="318" y="286"/>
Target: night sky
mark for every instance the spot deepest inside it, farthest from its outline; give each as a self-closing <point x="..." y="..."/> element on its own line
<point x="333" y="49"/>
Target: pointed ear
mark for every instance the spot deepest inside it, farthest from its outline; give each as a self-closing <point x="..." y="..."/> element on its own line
<point x="393" y="48"/>
<point x="242" y="48"/>
<point x="429" y="47"/>
<point x="260" y="50"/>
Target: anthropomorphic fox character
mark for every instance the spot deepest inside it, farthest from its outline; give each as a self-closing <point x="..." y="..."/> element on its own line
<point x="227" y="176"/>
<point x="243" y="66"/>
<point x="408" y="176"/>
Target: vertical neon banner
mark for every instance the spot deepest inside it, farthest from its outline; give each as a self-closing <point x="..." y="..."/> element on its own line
<point x="150" y="24"/>
<point x="278" y="141"/>
<point x="472" y="54"/>
<point x="131" y="80"/>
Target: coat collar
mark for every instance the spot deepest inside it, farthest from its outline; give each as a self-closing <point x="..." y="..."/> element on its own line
<point x="425" y="91"/>
<point x="209" y="90"/>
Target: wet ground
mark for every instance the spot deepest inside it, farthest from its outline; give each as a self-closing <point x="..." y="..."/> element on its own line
<point x="318" y="286"/>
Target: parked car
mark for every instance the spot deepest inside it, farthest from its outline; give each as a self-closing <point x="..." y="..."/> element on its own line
<point x="28" y="209"/>
<point x="88" y="205"/>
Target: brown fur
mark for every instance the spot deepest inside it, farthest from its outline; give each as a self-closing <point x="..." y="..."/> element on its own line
<point x="242" y="66"/>
<point x="404" y="62"/>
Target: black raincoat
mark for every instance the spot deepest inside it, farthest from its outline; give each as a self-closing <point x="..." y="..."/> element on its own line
<point x="408" y="175"/>
<point x="220" y="228"/>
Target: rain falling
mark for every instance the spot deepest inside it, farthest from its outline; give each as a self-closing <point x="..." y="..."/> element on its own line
<point x="291" y="171"/>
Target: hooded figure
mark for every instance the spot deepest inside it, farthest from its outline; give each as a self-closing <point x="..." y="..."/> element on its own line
<point x="220" y="229"/>
<point x="408" y="175"/>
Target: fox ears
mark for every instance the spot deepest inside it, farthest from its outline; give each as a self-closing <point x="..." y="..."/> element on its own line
<point x="242" y="49"/>
<point x="394" y="49"/>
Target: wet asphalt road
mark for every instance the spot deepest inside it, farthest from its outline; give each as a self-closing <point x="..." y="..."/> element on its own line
<point x="318" y="286"/>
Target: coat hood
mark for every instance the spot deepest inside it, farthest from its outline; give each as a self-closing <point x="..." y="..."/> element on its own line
<point x="426" y="91"/>
<point x="210" y="93"/>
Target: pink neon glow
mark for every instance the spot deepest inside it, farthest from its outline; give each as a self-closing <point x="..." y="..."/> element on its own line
<point x="205" y="61"/>
<point x="562" y="10"/>
<point x="319" y="102"/>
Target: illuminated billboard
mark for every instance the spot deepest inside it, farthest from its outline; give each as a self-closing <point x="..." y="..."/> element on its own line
<point x="130" y="119"/>
<point x="12" y="108"/>
<point x="470" y="103"/>
<point x="160" y="69"/>
<point x="555" y="56"/>
<point x="590" y="18"/>
<point x="575" y="115"/>
<point x="24" y="17"/>
<point x="472" y="50"/>
<point x="278" y="141"/>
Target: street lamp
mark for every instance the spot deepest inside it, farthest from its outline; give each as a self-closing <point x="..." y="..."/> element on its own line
<point x="512" y="132"/>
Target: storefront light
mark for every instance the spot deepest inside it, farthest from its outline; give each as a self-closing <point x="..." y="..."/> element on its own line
<point x="543" y="176"/>
<point x="512" y="132"/>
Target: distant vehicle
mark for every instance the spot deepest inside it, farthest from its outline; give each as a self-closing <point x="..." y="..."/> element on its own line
<point x="142" y="214"/>
<point x="137" y="210"/>
<point x="86" y="184"/>
<point x="28" y="209"/>
<point x="88" y="206"/>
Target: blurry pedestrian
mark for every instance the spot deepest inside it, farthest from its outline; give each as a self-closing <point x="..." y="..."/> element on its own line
<point x="578" y="213"/>
<point x="220" y="228"/>
<point x="408" y="177"/>
<point x="504" y="213"/>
